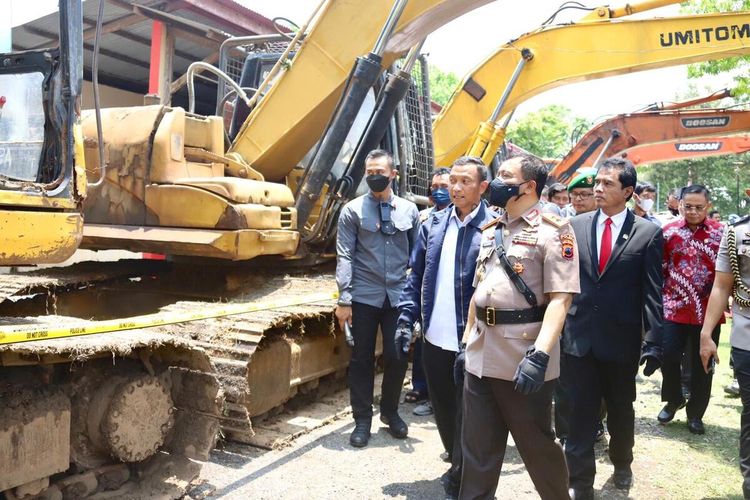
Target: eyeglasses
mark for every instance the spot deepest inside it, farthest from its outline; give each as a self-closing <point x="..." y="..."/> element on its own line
<point x="694" y="208"/>
<point x="581" y="196"/>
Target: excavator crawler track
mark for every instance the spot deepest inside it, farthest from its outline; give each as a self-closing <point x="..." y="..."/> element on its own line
<point x="261" y="359"/>
<point x="122" y="415"/>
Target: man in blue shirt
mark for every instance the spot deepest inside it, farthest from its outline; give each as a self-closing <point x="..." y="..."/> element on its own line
<point x="375" y="235"/>
<point x="437" y="294"/>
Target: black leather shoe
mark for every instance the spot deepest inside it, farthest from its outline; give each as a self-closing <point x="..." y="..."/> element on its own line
<point x="695" y="426"/>
<point x="450" y="486"/>
<point x="396" y="425"/>
<point x="667" y="413"/>
<point x="585" y="494"/>
<point x="623" y="478"/>
<point x="360" y="435"/>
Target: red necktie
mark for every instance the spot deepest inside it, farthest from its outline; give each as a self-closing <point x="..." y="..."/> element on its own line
<point x="606" y="248"/>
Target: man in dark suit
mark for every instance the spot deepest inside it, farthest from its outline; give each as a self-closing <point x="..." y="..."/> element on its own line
<point x="603" y="342"/>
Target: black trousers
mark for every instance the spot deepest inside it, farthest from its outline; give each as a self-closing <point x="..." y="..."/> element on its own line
<point x="741" y="361"/>
<point x="492" y="409"/>
<point x="446" y="399"/>
<point x="562" y="410"/>
<point x="676" y="339"/>
<point x="588" y="380"/>
<point x="365" y="322"/>
<point x="418" y="381"/>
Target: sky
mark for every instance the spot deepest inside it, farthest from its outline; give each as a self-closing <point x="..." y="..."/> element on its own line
<point x="462" y="44"/>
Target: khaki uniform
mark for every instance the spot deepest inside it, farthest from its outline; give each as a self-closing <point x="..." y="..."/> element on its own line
<point x="542" y="249"/>
<point x="740" y="336"/>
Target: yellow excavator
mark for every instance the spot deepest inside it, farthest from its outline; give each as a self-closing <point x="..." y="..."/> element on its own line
<point x="127" y="414"/>
<point x="599" y="45"/>
<point x="42" y="182"/>
<point x="166" y="180"/>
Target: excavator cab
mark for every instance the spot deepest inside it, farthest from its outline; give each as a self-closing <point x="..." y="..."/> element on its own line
<point x="42" y="178"/>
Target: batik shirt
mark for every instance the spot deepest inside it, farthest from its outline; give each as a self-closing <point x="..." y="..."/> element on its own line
<point x="689" y="267"/>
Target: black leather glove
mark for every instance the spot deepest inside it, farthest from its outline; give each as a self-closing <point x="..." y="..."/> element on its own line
<point x="651" y="357"/>
<point x="459" y="365"/>
<point x="402" y="339"/>
<point x="529" y="375"/>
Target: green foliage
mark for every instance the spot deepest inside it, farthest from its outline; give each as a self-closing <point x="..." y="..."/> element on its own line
<point x="738" y="67"/>
<point x="442" y="84"/>
<point x="718" y="173"/>
<point x="546" y="132"/>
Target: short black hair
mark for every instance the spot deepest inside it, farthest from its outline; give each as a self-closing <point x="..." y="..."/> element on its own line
<point x="713" y="212"/>
<point x="695" y="189"/>
<point x="533" y="168"/>
<point x="556" y="188"/>
<point x="441" y="171"/>
<point x="380" y="153"/>
<point x="482" y="171"/>
<point x="644" y="187"/>
<point x="626" y="171"/>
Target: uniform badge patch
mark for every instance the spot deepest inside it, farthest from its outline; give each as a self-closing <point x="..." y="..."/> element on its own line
<point x="518" y="268"/>
<point x="567" y="242"/>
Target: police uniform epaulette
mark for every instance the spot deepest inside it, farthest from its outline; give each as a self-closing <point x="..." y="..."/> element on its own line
<point x="740" y="221"/>
<point x="555" y="220"/>
<point x="491" y="223"/>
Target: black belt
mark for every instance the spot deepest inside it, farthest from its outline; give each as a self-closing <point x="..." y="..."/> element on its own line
<point x="492" y="316"/>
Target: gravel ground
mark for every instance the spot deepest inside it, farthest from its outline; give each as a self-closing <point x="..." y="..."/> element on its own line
<point x="322" y="465"/>
<point x="669" y="462"/>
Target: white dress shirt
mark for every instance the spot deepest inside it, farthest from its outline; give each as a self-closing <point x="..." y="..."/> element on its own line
<point x="617" y="221"/>
<point x="442" y="330"/>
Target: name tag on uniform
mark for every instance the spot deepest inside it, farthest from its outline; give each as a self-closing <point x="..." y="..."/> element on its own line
<point x="487" y="243"/>
<point x="525" y="239"/>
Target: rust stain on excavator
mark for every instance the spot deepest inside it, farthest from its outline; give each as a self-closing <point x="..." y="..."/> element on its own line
<point x="231" y="219"/>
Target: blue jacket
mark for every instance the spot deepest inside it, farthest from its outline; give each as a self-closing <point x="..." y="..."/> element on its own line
<point x="418" y="297"/>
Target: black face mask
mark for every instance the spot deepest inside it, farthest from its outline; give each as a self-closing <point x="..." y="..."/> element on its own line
<point x="501" y="193"/>
<point x="377" y="182"/>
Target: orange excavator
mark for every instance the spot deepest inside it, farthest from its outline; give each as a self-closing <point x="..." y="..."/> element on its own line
<point x="658" y="124"/>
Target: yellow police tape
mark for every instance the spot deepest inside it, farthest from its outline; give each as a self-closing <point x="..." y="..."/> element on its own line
<point x="14" y="334"/>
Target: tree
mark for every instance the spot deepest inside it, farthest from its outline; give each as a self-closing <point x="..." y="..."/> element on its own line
<point x="442" y="84"/>
<point x="720" y="174"/>
<point x="546" y="132"/>
<point x="736" y="66"/>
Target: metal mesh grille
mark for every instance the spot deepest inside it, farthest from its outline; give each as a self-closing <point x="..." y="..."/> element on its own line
<point x="420" y="163"/>
<point x="232" y="60"/>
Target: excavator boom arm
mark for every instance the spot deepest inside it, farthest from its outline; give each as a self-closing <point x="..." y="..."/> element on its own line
<point x="622" y="132"/>
<point x="683" y="150"/>
<point x="580" y="52"/>
<point x="293" y="114"/>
